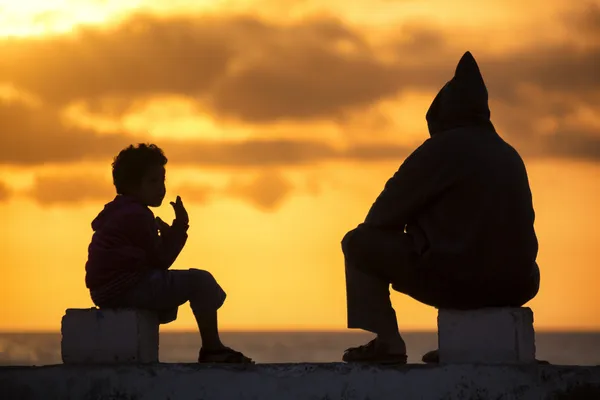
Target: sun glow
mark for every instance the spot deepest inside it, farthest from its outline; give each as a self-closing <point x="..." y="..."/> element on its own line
<point x="19" y="18"/>
<point x="44" y="17"/>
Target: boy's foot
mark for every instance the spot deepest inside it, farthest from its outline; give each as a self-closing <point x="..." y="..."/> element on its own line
<point x="223" y="355"/>
<point x="374" y="352"/>
<point x="433" y="357"/>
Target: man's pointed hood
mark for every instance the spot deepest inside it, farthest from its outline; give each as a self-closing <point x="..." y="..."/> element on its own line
<point x="463" y="101"/>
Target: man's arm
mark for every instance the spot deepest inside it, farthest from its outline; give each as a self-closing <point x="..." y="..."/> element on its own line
<point x="421" y="179"/>
<point x="423" y="176"/>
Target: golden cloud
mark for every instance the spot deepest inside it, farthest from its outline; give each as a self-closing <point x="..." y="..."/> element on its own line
<point x="33" y="136"/>
<point x="5" y="192"/>
<point x="49" y="190"/>
<point x="255" y="71"/>
<point x="266" y="190"/>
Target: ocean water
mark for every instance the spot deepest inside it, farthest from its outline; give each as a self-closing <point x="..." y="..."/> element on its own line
<point x="288" y="347"/>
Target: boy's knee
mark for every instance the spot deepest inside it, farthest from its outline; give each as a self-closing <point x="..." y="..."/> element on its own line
<point x="200" y="274"/>
<point x="202" y="278"/>
<point x="206" y="288"/>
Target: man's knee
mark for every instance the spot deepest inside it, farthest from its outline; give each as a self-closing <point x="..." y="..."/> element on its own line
<point x="357" y="266"/>
<point x="358" y="271"/>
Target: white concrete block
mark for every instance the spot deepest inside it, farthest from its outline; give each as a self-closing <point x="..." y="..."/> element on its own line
<point x="487" y="336"/>
<point x="95" y="336"/>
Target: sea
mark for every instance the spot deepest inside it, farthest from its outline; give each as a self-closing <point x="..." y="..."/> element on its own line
<point x="560" y="348"/>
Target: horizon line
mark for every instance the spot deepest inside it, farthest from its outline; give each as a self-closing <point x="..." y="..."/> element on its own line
<point x="302" y="330"/>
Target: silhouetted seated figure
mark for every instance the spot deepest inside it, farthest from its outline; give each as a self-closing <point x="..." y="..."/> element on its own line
<point x="128" y="261"/>
<point x="453" y="228"/>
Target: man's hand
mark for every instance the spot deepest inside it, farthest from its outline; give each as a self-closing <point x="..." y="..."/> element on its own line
<point x="181" y="215"/>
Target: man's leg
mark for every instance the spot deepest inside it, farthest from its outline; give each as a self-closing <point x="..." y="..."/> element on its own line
<point x="374" y="259"/>
<point x="368" y="303"/>
<point x="457" y="296"/>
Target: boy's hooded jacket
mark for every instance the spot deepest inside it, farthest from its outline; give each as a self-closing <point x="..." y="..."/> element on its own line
<point x="125" y="247"/>
<point x="463" y="196"/>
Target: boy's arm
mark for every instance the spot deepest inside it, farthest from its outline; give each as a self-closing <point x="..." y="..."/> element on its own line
<point x="172" y="241"/>
<point x="142" y="231"/>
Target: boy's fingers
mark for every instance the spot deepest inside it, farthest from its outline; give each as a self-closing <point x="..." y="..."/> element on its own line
<point x="178" y="203"/>
<point x="161" y="223"/>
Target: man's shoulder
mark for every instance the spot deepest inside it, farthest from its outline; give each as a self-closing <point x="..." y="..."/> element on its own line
<point x="430" y="147"/>
<point x="465" y="141"/>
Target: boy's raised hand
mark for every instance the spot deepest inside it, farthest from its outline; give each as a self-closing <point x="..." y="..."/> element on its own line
<point x="181" y="215"/>
<point x="162" y="225"/>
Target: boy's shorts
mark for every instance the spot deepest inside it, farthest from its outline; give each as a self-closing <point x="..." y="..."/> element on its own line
<point x="164" y="291"/>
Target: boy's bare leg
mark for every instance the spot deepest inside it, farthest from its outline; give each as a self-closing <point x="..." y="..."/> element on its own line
<point x="209" y="330"/>
<point x="213" y="350"/>
<point x="165" y="290"/>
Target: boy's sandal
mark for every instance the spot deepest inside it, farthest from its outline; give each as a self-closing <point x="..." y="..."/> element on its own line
<point x="372" y="353"/>
<point x="224" y="355"/>
<point x="433" y="357"/>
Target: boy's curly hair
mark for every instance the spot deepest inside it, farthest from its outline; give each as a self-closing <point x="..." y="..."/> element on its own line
<point x="132" y="163"/>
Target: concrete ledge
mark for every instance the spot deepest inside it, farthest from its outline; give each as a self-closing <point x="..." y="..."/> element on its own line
<point x="299" y="381"/>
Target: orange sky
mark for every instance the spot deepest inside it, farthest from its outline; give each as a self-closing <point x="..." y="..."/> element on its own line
<point x="282" y="120"/>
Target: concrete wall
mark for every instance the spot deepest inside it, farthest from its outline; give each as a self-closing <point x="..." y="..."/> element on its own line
<point x="298" y="381"/>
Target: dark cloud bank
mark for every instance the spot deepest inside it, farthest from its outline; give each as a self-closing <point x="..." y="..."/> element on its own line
<point x="255" y="71"/>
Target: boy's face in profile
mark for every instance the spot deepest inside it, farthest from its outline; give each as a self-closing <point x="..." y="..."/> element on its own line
<point x="152" y="190"/>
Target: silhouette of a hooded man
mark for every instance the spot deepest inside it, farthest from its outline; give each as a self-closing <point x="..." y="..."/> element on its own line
<point x="453" y="228"/>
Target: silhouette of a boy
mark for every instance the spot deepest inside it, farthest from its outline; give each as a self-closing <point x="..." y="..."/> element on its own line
<point x="131" y="252"/>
